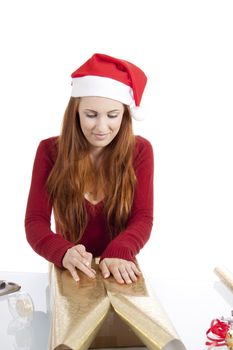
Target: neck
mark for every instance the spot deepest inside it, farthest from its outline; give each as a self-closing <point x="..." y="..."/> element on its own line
<point x="95" y="155"/>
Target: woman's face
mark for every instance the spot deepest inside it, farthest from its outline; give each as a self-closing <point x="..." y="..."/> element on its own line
<point x="100" y="120"/>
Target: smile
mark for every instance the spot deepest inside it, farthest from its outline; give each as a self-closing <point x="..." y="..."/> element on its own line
<point x="100" y="136"/>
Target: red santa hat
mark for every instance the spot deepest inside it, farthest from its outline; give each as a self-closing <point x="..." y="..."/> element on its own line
<point x="110" y="77"/>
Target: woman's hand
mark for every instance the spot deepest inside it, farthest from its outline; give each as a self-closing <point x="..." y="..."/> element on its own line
<point x="78" y="257"/>
<point x="123" y="271"/>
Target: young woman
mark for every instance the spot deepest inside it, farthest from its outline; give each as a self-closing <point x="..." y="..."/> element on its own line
<point x="97" y="177"/>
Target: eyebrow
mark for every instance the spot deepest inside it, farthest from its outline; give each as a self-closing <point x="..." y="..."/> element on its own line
<point x="92" y="110"/>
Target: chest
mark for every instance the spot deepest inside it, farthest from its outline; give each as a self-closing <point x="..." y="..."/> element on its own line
<point x="94" y="197"/>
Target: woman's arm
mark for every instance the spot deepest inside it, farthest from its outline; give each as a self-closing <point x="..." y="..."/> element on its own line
<point x="43" y="240"/>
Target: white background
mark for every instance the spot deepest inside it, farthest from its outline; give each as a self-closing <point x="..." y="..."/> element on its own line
<point x="185" y="48"/>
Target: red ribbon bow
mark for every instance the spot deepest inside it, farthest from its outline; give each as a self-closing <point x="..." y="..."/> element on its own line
<point x="219" y="329"/>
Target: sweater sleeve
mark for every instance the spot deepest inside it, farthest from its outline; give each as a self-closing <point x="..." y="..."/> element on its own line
<point x="43" y="240"/>
<point x="129" y="242"/>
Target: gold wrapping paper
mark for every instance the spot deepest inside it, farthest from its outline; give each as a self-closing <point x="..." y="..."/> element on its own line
<point x="114" y="334"/>
<point x="129" y="314"/>
<point x="229" y="340"/>
<point x="225" y="275"/>
<point x="78" y="309"/>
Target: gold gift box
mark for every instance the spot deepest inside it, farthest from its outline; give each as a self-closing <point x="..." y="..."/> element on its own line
<point x="101" y="313"/>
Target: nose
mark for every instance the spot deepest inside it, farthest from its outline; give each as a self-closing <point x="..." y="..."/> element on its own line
<point x="101" y="124"/>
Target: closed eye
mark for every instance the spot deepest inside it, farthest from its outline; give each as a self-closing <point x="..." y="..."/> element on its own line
<point x="112" y="116"/>
<point x="91" y="115"/>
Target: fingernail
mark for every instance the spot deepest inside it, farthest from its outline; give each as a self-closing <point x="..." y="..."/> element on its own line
<point x="87" y="263"/>
<point x="76" y="279"/>
<point x="106" y="275"/>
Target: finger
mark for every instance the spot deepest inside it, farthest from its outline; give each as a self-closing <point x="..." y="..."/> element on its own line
<point x="86" y="269"/>
<point x="104" y="269"/>
<point x="73" y="273"/>
<point x="116" y="274"/>
<point x="85" y="258"/>
<point x="76" y="260"/>
<point x="131" y="273"/>
<point x="125" y="274"/>
<point x="136" y="270"/>
<point x="88" y="259"/>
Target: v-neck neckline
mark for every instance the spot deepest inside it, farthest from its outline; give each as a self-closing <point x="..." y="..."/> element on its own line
<point x="93" y="204"/>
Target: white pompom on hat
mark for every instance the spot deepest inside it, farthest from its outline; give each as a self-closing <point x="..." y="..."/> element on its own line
<point x="110" y="77"/>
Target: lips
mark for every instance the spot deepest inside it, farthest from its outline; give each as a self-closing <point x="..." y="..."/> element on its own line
<point x="100" y="136"/>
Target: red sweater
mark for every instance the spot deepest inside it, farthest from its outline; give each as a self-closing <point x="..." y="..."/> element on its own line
<point x="53" y="246"/>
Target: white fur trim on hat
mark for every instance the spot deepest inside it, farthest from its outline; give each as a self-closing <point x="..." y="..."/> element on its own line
<point x="91" y="85"/>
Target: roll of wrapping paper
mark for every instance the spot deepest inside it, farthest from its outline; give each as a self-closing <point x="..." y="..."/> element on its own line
<point x="225" y="275"/>
<point x="80" y="309"/>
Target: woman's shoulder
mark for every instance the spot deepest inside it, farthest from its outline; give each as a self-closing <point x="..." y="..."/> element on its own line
<point x="143" y="151"/>
<point x="49" y="147"/>
<point x="50" y="141"/>
<point x="142" y="141"/>
<point x="142" y="145"/>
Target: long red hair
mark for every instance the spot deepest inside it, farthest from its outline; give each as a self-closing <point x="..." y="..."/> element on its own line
<point x="73" y="173"/>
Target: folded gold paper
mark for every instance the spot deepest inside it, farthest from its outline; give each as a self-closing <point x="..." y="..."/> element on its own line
<point x="225" y="275"/>
<point x="101" y="313"/>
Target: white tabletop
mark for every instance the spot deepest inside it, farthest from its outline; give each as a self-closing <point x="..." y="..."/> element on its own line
<point x="190" y="304"/>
